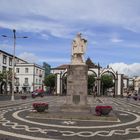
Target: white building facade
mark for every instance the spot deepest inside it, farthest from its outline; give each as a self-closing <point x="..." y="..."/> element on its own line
<point x="29" y="77"/>
<point x="6" y="61"/>
<point x="137" y="84"/>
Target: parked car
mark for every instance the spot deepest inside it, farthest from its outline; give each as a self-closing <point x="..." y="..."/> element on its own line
<point x="38" y="93"/>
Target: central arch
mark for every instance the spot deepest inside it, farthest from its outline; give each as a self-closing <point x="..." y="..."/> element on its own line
<point x="112" y="91"/>
<point x="92" y="89"/>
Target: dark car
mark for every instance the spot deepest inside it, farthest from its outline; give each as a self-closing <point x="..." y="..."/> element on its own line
<point x="38" y="93"/>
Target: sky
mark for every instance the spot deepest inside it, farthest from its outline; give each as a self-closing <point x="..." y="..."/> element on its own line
<point x="112" y="28"/>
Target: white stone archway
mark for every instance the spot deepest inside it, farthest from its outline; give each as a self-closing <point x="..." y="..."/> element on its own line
<point x="98" y="72"/>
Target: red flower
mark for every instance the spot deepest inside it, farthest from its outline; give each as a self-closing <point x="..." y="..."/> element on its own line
<point x="99" y="109"/>
<point x="40" y="104"/>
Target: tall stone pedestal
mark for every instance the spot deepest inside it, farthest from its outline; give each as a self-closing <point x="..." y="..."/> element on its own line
<point x="76" y="99"/>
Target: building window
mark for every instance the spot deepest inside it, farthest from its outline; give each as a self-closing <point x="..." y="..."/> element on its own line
<point x="36" y="81"/>
<point x="40" y="73"/>
<point x="36" y="71"/>
<point x="4" y="59"/>
<point x="10" y="61"/>
<point x="17" y="60"/>
<point x="26" y="80"/>
<point x="26" y="70"/>
<point x="17" y="82"/>
<point x="17" y="70"/>
<point x="10" y="69"/>
<point x="3" y="68"/>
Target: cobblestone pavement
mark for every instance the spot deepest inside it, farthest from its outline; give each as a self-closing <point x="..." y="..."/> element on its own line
<point x="17" y="122"/>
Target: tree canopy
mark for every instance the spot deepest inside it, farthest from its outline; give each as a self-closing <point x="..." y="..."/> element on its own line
<point x="50" y="80"/>
<point x="107" y="82"/>
<point x="91" y="81"/>
<point x="6" y="75"/>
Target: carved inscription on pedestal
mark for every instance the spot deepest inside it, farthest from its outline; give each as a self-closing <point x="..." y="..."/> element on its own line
<point x="76" y="99"/>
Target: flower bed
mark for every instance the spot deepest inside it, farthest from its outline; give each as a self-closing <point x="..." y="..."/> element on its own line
<point x="23" y="97"/>
<point x="40" y="107"/>
<point x="135" y="98"/>
<point x="103" y="110"/>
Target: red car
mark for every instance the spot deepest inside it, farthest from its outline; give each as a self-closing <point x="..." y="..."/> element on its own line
<point x="38" y="93"/>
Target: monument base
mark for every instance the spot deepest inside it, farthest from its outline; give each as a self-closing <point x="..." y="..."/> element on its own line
<point x="76" y="109"/>
<point x="76" y="98"/>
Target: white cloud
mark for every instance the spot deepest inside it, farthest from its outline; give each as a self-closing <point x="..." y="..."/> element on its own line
<point x="32" y="58"/>
<point x="62" y="17"/>
<point x="5" y="45"/>
<point x="127" y="69"/>
<point x="94" y="42"/>
<point x="29" y="57"/>
<point x="116" y="40"/>
<point x="44" y="36"/>
<point x="55" y="29"/>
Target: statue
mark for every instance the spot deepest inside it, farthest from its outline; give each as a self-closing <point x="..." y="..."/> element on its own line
<point x="78" y="49"/>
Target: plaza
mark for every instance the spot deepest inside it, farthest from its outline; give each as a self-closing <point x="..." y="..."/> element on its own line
<point x="17" y="122"/>
<point x="69" y="70"/>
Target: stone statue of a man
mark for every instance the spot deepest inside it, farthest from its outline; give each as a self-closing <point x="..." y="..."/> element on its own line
<point x="78" y="49"/>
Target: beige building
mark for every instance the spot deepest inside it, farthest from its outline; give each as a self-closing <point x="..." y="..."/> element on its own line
<point x="6" y="61"/>
<point x="137" y="84"/>
<point x="28" y="77"/>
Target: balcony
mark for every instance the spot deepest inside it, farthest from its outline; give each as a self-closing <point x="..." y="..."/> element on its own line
<point x="37" y="84"/>
<point x="17" y="84"/>
<point x="40" y="75"/>
<point x="26" y="84"/>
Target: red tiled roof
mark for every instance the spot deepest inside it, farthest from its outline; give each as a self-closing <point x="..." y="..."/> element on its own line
<point x="64" y="66"/>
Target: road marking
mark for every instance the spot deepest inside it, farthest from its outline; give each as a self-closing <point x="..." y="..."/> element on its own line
<point x="68" y="122"/>
<point x="23" y="136"/>
<point x="82" y="133"/>
<point x="15" y="115"/>
<point x="123" y="114"/>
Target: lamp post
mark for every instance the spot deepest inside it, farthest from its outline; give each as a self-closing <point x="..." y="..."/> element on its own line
<point x="14" y="62"/>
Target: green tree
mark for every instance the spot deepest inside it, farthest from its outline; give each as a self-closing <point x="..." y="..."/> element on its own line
<point x="6" y="76"/>
<point x="1" y="76"/>
<point x="91" y="81"/>
<point x="50" y="82"/>
<point x="107" y="82"/>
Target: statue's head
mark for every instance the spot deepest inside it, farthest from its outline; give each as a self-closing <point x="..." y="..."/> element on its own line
<point x="79" y="34"/>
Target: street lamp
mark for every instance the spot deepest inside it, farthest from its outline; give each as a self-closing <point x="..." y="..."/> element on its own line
<point x="13" y="73"/>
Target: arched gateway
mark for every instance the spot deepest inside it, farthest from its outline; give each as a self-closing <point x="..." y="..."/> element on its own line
<point x="61" y="73"/>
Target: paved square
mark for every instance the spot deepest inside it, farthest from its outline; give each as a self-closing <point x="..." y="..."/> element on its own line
<point x="18" y="122"/>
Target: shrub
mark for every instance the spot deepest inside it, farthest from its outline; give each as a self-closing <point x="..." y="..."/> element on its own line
<point x="103" y="110"/>
<point x="23" y="97"/>
<point x="40" y="107"/>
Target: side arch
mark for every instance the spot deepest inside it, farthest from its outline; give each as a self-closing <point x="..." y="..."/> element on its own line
<point x="93" y="72"/>
<point x="114" y="74"/>
<point x="64" y="83"/>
